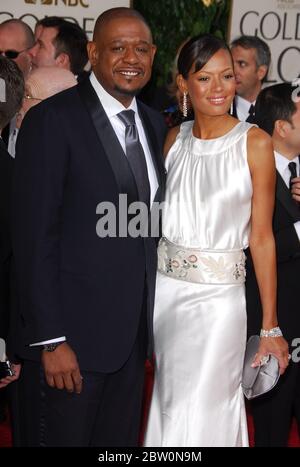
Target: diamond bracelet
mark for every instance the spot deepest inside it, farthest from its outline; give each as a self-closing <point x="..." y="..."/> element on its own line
<point x="274" y="332"/>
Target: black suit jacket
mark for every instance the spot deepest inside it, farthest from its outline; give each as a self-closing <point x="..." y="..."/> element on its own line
<point x="6" y="170"/>
<point x="70" y="281"/>
<point x="286" y="213"/>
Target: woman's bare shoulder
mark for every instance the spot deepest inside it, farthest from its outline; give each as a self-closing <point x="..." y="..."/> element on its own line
<point x="258" y="138"/>
<point x="259" y="149"/>
<point x="170" y="139"/>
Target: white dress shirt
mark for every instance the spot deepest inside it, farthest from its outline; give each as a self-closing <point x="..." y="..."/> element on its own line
<point x="112" y="107"/>
<point x="242" y="108"/>
<point x="12" y="138"/>
<point x="282" y="167"/>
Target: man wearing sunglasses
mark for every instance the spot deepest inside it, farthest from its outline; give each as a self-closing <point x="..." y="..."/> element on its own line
<point x="16" y="40"/>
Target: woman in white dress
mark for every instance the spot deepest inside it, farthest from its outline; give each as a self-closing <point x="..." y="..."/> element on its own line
<point x="219" y="200"/>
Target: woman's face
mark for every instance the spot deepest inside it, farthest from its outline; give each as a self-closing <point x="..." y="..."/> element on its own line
<point x="212" y="88"/>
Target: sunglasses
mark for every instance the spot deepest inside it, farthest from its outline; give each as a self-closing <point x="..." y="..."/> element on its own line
<point x="12" y="54"/>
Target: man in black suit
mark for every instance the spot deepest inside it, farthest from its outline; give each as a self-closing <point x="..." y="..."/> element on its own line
<point x="11" y="96"/>
<point x="279" y="116"/>
<point x="251" y="57"/>
<point x="86" y="302"/>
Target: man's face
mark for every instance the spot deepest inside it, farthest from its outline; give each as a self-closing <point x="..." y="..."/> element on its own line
<point x="122" y="56"/>
<point x="43" y="53"/>
<point x="13" y="38"/>
<point x="293" y="134"/>
<point x="248" y="74"/>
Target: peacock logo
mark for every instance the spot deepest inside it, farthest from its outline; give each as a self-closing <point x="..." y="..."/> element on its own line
<point x="82" y="3"/>
<point x="43" y="2"/>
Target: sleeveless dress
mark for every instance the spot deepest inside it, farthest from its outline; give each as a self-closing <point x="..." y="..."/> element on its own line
<point x="200" y="310"/>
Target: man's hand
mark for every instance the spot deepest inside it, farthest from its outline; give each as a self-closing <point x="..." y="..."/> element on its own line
<point x="16" y="368"/>
<point x="61" y="369"/>
<point x="296" y="188"/>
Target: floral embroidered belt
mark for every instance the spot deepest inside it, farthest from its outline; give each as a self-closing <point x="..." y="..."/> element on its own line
<point x="201" y="266"/>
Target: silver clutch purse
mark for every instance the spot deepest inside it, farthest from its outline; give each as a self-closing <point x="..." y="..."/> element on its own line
<point x="259" y="380"/>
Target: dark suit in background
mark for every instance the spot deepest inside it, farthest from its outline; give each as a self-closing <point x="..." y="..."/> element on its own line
<point x="6" y="170"/>
<point x="272" y="412"/>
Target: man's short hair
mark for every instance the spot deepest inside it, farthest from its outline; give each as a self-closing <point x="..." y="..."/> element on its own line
<point x="11" y="90"/>
<point x="263" y="53"/>
<point x="70" y="39"/>
<point x="274" y="103"/>
<point x="115" y="13"/>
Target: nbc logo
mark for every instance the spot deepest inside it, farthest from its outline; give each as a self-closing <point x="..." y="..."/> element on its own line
<point x="56" y="2"/>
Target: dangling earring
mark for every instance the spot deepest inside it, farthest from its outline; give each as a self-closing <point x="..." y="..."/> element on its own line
<point x="184" y="105"/>
<point x="231" y="108"/>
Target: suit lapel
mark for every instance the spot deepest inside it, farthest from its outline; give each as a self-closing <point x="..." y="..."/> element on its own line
<point x="284" y="196"/>
<point x="109" y="141"/>
<point x="234" y="109"/>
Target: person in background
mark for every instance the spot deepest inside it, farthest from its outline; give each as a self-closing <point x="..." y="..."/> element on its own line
<point x="11" y="95"/>
<point x="16" y="40"/>
<point x="60" y="43"/>
<point x="42" y="83"/>
<point x="252" y="58"/>
<point x="279" y="116"/>
<point x="219" y="199"/>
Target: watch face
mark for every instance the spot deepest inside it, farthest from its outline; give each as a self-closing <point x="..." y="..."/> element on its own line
<point x="51" y="347"/>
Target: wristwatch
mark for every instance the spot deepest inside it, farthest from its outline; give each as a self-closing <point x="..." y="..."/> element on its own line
<point x="52" y="346"/>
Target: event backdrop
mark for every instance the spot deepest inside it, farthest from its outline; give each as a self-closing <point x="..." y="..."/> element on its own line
<point x="85" y="12"/>
<point x="278" y="23"/>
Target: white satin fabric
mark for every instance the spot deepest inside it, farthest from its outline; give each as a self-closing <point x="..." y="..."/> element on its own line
<point x="200" y="328"/>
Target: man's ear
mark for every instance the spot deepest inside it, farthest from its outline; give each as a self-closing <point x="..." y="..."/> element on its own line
<point x="63" y="61"/>
<point x="92" y="52"/>
<point x="262" y="72"/>
<point x="282" y="128"/>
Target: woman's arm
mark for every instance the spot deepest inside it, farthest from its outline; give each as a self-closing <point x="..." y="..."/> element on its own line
<point x="262" y="244"/>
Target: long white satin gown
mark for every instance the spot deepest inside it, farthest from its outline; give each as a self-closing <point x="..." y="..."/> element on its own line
<point x="200" y="314"/>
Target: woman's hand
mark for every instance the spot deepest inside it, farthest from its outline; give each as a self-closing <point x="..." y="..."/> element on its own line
<point x="276" y="346"/>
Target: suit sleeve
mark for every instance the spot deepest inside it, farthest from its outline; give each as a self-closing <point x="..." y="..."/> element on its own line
<point x="37" y="199"/>
<point x="287" y="243"/>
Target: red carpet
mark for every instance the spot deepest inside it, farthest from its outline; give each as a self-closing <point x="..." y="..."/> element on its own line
<point x="294" y="440"/>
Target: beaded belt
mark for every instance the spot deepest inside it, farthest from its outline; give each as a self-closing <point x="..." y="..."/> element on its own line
<point x="201" y="266"/>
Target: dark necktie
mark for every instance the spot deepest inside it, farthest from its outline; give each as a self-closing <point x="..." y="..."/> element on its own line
<point x="135" y="155"/>
<point x="251" y="116"/>
<point x="293" y="169"/>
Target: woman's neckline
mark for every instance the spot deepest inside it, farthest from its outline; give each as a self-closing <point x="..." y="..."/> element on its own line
<point x="218" y="137"/>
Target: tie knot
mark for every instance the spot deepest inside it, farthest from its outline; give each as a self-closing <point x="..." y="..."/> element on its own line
<point x="127" y="117"/>
<point x="293" y="169"/>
